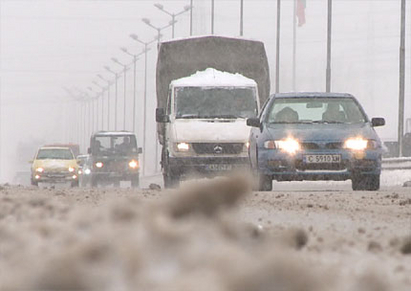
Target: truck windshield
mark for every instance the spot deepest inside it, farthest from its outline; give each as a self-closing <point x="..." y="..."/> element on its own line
<point x="109" y="145"/>
<point x="215" y="102"/>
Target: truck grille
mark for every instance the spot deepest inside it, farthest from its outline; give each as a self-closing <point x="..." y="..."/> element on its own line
<point x="218" y="148"/>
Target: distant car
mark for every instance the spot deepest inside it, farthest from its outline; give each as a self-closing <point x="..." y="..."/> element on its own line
<point x="85" y="168"/>
<point x="54" y="165"/>
<point x="315" y="136"/>
<point x="114" y="157"/>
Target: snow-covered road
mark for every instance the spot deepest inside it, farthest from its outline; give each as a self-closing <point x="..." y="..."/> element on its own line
<point x="209" y="235"/>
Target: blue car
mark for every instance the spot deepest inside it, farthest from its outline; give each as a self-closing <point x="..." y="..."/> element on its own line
<point x="315" y="136"/>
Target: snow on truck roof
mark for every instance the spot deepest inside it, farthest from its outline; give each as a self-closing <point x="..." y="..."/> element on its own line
<point x="111" y="133"/>
<point x="212" y="77"/>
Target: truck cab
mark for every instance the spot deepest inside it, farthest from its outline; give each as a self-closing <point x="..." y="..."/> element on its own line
<point x="206" y="131"/>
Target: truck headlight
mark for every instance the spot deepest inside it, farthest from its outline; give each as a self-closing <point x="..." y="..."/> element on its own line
<point x="99" y="165"/>
<point x="357" y="144"/>
<point x="133" y="164"/>
<point x="71" y="169"/>
<point x="40" y="170"/>
<point x="183" y="146"/>
<point x="87" y="171"/>
<point x="289" y="145"/>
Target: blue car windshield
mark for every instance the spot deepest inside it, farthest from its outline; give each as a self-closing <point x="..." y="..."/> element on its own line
<point x="315" y="110"/>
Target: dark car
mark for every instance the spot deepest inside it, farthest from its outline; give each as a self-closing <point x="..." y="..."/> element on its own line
<point x="85" y="167"/>
<point x="113" y="158"/>
<point x="315" y="136"/>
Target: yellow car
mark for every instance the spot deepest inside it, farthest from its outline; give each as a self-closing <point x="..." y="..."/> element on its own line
<point x="54" y="165"/>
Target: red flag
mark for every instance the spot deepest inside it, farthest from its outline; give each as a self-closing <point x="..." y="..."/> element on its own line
<point x="300" y="12"/>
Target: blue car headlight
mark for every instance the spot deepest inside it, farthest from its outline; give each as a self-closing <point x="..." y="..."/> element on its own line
<point x="360" y="144"/>
<point x="289" y="145"/>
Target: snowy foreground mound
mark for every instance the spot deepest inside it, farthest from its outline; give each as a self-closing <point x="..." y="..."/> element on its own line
<point x="188" y="239"/>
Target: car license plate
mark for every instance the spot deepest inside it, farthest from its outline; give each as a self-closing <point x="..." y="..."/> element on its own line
<point x="218" y="167"/>
<point x="322" y="159"/>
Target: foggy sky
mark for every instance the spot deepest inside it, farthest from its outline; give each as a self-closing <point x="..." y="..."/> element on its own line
<point x="46" y="46"/>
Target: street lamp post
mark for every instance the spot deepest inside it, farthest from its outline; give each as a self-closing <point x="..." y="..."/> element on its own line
<point x="108" y="99"/>
<point x="212" y="16"/>
<point x="135" y="58"/>
<point x="82" y="127"/>
<point x="191" y="17"/>
<point x="94" y="109"/>
<point x="115" y="95"/>
<point x="241" y="17"/>
<point x="125" y="89"/>
<point x="102" y="102"/>
<point x="158" y="29"/>
<point x="86" y="98"/>
<point x="173" y="15"/>
<point x="146" y="49"/>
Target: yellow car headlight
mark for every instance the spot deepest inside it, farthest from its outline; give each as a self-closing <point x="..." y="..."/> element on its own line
<point x="133" y="164"/>
<point x="183" y="146"/>
<point x="356" y="144"/>
<point x="289" y="145"/>
<point x="40" y="170"/>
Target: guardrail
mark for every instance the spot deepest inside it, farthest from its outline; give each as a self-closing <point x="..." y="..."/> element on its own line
<point x="402" y="163"/>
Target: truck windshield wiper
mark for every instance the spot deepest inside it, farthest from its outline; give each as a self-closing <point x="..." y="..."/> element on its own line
<point x="285" y="122"/>
<point x="207" y="116"/>
<point x="225" y="116"/>
<point x="189" y="116"/>
<point x="333" y="122"/>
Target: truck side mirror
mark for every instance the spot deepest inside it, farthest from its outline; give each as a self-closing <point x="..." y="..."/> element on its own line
<point x="89" y="150"/>
<point x="161" y="116"/>
<point x="377" y="121"/>
<point x="254" y="122"/>
<point x="139" y="150"/>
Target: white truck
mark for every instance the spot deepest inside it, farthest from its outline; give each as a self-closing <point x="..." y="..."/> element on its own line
<point x="206" y="89"/>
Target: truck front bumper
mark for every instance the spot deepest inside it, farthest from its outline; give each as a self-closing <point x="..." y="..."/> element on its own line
<point x="207" y="165"/>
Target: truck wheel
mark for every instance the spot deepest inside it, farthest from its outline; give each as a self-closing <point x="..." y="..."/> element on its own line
<point x="34" y="183"/>
<point x="171" y="181"/>
<point x="265" y="182"/>
<point x="365" y="182"/>
<point x="75" y="184"/>
<point x="135" y="182"/>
